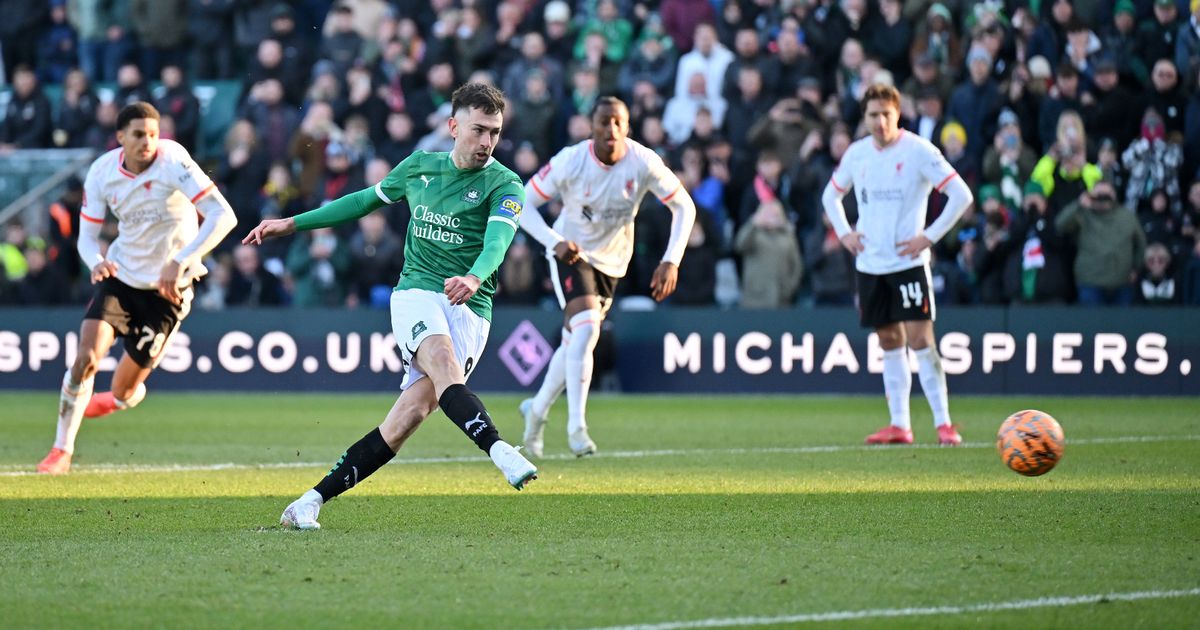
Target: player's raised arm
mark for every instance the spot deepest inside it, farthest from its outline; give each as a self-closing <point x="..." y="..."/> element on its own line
<point x="345" y="208"/>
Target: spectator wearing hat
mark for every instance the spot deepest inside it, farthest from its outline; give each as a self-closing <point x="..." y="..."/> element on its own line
<point x="1067" y="96"/>
<point x="1110" y="246"/>
<point x="298" y="49"/>
<point x="1008" y="162"/>
<point x="58" y="48"/>
<point x="1108" y="160"/>
<point x="1153" y="164"/>
<point x="926" y="76"/>
<point x="1156" y="285"/>
<point x="937" y="38"/>
<point x="342" y="175"/>
<point x="1156" y="35"/>
<point x="560" y="40"/>
<point x="953" y="141"/>
<point x="1166" y="97"/>
<point x="1116" y="109"/>
<point x="1118" y="39"/>
<point x="976" y="103"/>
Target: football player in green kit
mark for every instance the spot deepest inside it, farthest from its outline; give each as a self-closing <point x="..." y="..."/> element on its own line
<point x="466" y="207"/>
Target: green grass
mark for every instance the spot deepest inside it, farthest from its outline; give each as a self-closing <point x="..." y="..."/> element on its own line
<point x="705" y="531"/>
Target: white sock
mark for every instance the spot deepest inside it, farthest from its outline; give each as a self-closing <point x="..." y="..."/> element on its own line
<point x="933" y="381"/>
<point x="897" y="385"/>
<point x="72" y="403"/>
<point x="313" y="495"/>
<point x="585" y="332"/>
<point x="139" y="394"/>
<point x="555" y="379"/>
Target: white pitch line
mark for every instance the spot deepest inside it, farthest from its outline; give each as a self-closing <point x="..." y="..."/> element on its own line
<point x="887" y="613"/>
<point x="19" y="470"/>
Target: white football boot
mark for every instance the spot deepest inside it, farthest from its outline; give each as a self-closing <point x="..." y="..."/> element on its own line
<point x="581" y="444"/>
<point x="517" y="470"/>
<point x="302" y="513"/>
<point x="534" y="427"/>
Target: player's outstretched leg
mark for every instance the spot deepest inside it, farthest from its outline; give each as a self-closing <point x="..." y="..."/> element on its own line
<point x="358" y="462"/>
<point x="897" y="385"/>
<point x="534" y="410"/>
<point x="467" y="412"/>
<point x="585" y="332"/>
<point x="364" y="456"/>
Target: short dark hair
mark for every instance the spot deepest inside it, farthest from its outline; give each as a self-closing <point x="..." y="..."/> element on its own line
<point x="881" y="92"/>
<point x="481" y="96"/>
<point x="135" y="111"/>
<point x="607" y="101"/>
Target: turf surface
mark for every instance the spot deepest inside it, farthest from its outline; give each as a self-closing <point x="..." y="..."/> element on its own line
<point x="696" y="508"/>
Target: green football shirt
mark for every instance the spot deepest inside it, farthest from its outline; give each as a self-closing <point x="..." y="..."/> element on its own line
<point x="452" y="209"/>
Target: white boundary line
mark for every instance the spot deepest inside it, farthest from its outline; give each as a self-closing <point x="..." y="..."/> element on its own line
<point x="887" y="613"/>
<point x="22" y="470"/>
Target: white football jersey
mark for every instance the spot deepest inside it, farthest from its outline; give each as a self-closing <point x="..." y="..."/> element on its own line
<point x="155" y="211"/>
<point x="892" y="187"/>
<point x="600" y="202"/>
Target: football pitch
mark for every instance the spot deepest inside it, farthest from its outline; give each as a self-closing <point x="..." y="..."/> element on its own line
<point x="699" y="511"/>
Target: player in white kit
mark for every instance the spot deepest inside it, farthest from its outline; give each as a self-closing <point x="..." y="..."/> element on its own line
<point x="892" y="172"/>
<point x="144" y="280"/>
<point x="601" y="183"/>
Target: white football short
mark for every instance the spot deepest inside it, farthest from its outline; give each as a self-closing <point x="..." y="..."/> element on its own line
<point x="417" y="314"/>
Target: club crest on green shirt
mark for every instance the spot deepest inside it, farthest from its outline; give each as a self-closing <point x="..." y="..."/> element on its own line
<point x="472" y="196"/>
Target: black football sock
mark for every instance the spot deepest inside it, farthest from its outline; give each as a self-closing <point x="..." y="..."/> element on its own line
<point x="465" y="410"/>
<point x="357" y="463"/>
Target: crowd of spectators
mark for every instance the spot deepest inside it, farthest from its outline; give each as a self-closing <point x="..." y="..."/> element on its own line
<point x="1075" y="122"/>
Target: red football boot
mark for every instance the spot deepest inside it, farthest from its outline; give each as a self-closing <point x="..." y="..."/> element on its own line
<point x="948" y="435"/>
<point x="891" y="435"/>
<point x="57" y="462"/>
<point x="100" y="405"/>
